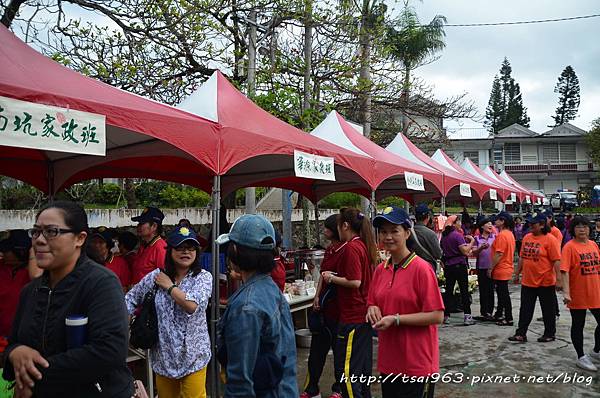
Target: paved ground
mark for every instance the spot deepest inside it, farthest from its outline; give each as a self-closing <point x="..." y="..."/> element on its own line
<point x="483" y="350"/>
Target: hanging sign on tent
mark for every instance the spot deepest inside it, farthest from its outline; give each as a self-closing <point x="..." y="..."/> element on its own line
<point x="493" y="194"/>
<point x="307" y="165"/>
<point x="513" y="197"/>
<point x="527" y="199"/>
<point x="465" y="190"/>
<point x="30" y="125"/>
<point x="414" y="181"/>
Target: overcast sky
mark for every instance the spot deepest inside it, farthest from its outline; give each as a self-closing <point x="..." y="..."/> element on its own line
<point x="537" y="53"/>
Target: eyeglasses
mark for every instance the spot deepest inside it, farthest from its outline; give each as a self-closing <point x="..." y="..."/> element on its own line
<point x="48" y="232"/>
<point x="185" y="248"/>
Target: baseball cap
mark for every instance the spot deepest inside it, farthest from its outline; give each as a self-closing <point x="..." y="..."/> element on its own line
<point x="251" y="230"/>
<point x="504" y="215"/>
<point x="422" y="209"/>
<point x="548" y="213"/>
<point x="394" y="215"/>
<point x="181" y="234"/>
<point x="536" y="218"/>
<point x="150" y="214"/>
<point x="105" y="234"/>
<point x="17" y="239"/>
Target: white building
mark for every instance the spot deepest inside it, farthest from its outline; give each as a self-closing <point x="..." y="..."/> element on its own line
<point x="555" y="159"/>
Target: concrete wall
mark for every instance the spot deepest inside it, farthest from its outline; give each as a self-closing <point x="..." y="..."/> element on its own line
<point x="23" y="219"/>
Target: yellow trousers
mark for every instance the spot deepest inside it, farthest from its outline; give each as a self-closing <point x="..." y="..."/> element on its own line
<point x="190" y="386"/>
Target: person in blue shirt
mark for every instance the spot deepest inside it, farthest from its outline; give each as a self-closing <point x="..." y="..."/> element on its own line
<point x="256" y="343"/>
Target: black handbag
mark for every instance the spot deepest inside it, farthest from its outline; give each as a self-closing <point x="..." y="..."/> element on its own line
<point x="144" y="325"/>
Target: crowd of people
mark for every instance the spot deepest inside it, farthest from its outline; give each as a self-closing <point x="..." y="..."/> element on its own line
<point x="72" y="292"/>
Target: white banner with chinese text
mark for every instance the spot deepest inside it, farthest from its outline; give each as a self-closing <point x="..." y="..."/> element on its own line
<point x="493" y="194"/>
<point x="465" y="189"/>
<point x="30" y="125"/>
<point x="527" y="199"/>
<point x="513" y="197"/>
<point x="414" y="181"/>
<point x="307" y="165"/>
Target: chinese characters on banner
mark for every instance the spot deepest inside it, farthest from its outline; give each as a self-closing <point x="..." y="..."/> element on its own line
<point x="493" y="194"/>
<point x="513" y="197"/>
<point x="414" y="181"/>
<point x="527" y="199"/>
<point x="307" y="165"/>
<point x="30" y="125"/>
<point x="465" y="189"/>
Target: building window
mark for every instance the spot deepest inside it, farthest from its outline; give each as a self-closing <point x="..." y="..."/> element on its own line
<point x="567" y="153"/>
<point x="512" y="153"/>
<point x="498" y="158"/>
<point x="550" y="154"/>
<point x="473" y="155"/>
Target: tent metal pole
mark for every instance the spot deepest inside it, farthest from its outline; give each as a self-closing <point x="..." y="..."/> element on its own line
<point x="373" y="205"/>
<point x="443" y="205"/>
<point x="317" y="228"/>
<point x="286" y="218"/>
<point x="480" y="208"/>
<point x="214" y="309"/>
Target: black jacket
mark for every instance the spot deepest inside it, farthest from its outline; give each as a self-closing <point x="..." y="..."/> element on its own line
<point x="90" y="290"/>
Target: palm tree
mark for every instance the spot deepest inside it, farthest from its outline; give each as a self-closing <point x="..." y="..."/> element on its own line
<point x="414" y="44"/>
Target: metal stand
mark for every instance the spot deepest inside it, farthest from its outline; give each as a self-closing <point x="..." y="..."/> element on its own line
<point x="214" y="309"/>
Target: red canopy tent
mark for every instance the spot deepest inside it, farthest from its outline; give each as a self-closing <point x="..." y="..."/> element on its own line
<point x="390" y="168"/>
<point x="507" y="178"/>
<point x="403" y="147"/>
<point x="442" y="158"/>
<point x="144" y="138"/>
<point x="521" y="194"/>
<point x="503" y="190"/>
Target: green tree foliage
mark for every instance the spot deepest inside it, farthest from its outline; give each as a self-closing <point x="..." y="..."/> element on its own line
<point x="593" y="141"/>
<point x="505" y="106"/>
<point x="339" y="200"/>
<point x="567" y="88"/>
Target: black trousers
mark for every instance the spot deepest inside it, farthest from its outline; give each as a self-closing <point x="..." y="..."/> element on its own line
<point x="353" y="357"/>
<point x="320" y="344"/>
<point x="486" y="292"/>
<point x="504" y="304"/>
<point x="391" y="388"/>
<point x="453" y="274"/>
<point x="577" y="324"/>
<point x="529" y="295"/>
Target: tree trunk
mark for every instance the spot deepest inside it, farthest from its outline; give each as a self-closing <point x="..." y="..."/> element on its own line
<point x="129" y="188"/>
<point x="251" y="191"/>
<point x="365" y="68"/>
<point x="10" y="12"/>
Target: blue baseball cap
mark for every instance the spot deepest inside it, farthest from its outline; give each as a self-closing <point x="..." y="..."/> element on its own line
<point x="150" y="214"/>
<point x="182" y="234"/>
<point x="394" y="215"/>
<point x="504" y="215"/>
<point x="548" y="213"/>
<point x="422" y="209"/>
<point x="536" y="218"/>
<point x="17" y="239"/>
<point x="251" y="230"/>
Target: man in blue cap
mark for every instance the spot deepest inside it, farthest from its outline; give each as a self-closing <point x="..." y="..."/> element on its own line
<point x="425" y="242"/>
<point x="153" y="248"/>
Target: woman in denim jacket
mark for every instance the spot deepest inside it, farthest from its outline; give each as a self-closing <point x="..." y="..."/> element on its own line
<point x="256" y="335"/>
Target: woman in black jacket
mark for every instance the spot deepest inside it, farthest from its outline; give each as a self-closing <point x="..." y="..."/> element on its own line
<point x="37" y="356"/>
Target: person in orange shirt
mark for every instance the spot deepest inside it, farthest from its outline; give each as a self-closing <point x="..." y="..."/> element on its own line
<point x="502" y="267"/>
<point x="580" y="270"/>
<point x="540" y="263"/>
<point x="559" y="238"/>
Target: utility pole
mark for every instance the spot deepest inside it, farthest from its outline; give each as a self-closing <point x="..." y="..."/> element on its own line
<point x="251" y="191"/>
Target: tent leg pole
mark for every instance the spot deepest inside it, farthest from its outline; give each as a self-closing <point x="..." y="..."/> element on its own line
<point x="287" y="218"/>
<point x="480" y="208"/>
<point x="373" y="206"/>
<point x="317" y="228"/>
<point x="214" y="309"/>
<point x="443" y="205"/>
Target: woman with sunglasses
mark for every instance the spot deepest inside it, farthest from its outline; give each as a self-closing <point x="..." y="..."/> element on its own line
<point x="72" y="287"/>
<point x="182" y="292"/>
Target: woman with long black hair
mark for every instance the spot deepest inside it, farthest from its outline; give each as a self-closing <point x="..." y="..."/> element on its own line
<point x="353" y="353"/>
<point x="183" y="289"/>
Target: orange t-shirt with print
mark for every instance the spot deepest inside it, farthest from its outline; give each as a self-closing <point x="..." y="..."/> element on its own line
<point x="505" y="244"/>
<point x="582" y="262"/>
<point x="554" y="231"/>
<point x="538" y="254"/>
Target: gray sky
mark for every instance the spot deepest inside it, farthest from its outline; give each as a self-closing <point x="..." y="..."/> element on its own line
<point x="538" y="53"/>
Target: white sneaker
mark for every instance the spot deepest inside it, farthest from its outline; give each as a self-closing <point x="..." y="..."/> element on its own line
<point x="594" y="355"/>
<point x="468" y="321"/>
<point x="586" y="363"/>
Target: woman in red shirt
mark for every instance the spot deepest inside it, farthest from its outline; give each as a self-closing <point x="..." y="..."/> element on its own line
<point x="580" y="270"/>
<point x="405" y="307"/>
<point x="325" y="309"/>
<point x="353" y="353"/>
